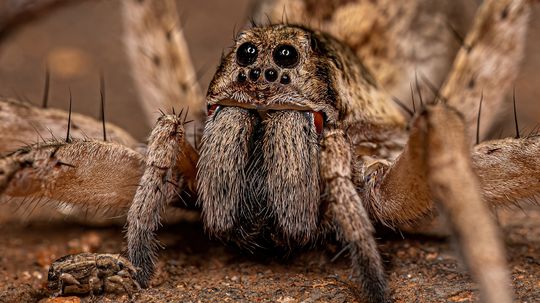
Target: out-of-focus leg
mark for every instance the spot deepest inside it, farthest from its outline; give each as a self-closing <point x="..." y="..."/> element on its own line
<point x="436" y="166"/>
<point x="488" y="62"/>
<point x="160" y="61"/>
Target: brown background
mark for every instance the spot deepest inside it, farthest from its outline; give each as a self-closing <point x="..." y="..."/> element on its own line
<point x="81" y="40"/>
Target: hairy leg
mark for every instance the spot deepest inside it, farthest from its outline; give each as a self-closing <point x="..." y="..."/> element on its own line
<point x="436" y="165"/>
<point x="97" y="176"/>
<point x="508" y="169"/>
<point x="454" y="185"/>
<point x="488" y="62"/>
<point x="22" y="124"/>
<point x="163" y="178"/>
<point x="350" y="217"/>
<point x="160" y="60"/>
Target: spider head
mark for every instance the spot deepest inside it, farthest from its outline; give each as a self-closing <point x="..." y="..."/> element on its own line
<point x="278" y="67"/>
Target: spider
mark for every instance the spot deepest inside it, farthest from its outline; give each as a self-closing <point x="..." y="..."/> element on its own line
<point x="301" y="143"/>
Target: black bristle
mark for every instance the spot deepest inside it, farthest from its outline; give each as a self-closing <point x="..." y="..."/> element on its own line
<point x="65" y="164"/>
<point x="418" y="89"/>
<point x="268" y="19"/>
<point x="403" y="106"/>
<point x="459" y="37"/>
<point x="412" y="97"/>
<point x="515" y="114"/>
<point x="252" y="22"/>
<point x="180" y="113"/>
<point x="45" y="99"/>
<point x="434" y="89"/>
<point x="68" y="137"/>
<point x="478" y="119"/>
<point x="195" y="136"/>
<point x="102" y="95"/>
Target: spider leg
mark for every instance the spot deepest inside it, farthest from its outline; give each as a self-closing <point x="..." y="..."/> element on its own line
<point x="167" y="148"/>
<point x="96" y="176"/>
<point x="455" y="186"/>
<point x="436" y="165"/>
<point x="22" y="123"/>
<point x="350" y="217"/>
<point x="160" y="60"/>
<point x="488" y="62"/>
<point x="508" y="169"/>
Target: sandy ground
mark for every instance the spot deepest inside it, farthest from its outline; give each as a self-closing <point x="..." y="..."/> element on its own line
<point x="193" y="268"/>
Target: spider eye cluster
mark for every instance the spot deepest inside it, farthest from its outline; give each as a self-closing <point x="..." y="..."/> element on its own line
<point x="284" y="56"/>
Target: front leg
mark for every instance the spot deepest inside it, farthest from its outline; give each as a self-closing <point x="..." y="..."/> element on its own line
<point x="170" y="164"/>
<point x="350" y="217"/>
<point x="436" y="165"/>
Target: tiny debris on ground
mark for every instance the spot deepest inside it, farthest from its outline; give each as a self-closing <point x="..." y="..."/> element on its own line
<point x="195" y="269"/>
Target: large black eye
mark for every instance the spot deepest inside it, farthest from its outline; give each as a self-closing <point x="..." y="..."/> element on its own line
<point x="285" y="56"/>
<point x="246" y="54"/>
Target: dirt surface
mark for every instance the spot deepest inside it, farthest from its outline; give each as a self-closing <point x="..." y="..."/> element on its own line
<point x="193" y="268"/>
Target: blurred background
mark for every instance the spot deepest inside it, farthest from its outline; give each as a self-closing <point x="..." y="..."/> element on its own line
<point x="78" y="41"/>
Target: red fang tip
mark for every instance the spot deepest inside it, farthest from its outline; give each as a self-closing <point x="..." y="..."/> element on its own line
<point x="318" y="120"/>
<point x="212" y="109"/>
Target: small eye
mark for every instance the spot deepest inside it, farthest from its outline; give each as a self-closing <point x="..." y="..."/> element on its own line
<point x="254" y="74"/>
<point x="241" y="77"/>
<point x="121" y="264"/>
<point x="270" y="75"/>
<point x="246" y="54"/>
<point x="285" y="56"/>
<point x="285" y="79"/>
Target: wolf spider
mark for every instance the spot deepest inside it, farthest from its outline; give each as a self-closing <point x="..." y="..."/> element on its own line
<point x="301" y="142"/>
